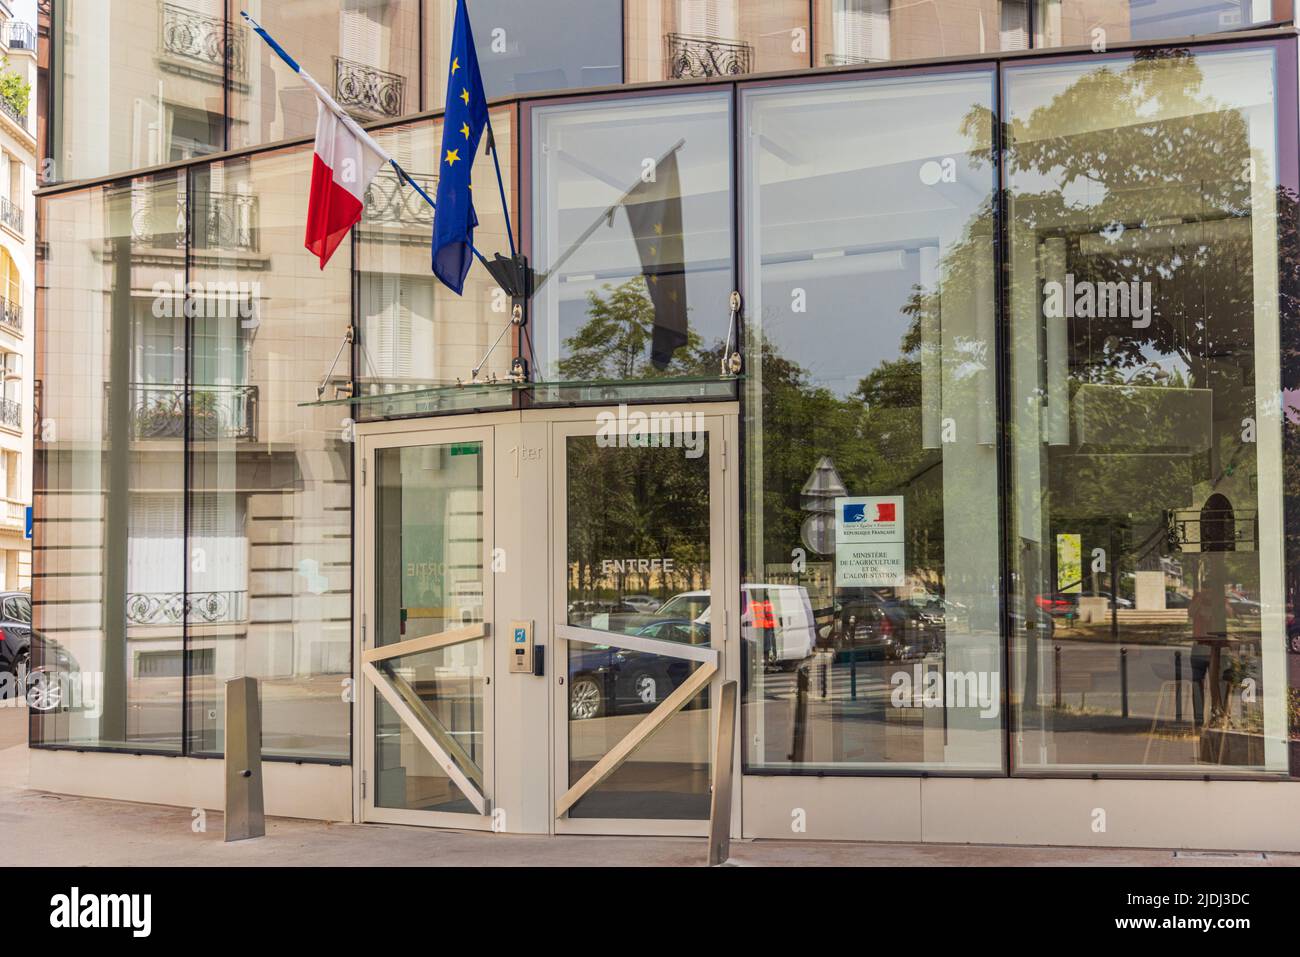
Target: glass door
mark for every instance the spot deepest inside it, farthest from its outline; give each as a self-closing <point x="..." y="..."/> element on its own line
<point x="426" y="640"/>
<point x="641" y="611"/>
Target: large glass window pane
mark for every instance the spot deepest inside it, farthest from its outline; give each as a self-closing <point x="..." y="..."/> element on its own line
<point x="429" y="545"/>
<point x="108" y="615"/>
<point x="1090" y="22"/>
<point x="269" y="508"/>
<point x="136" y="84"/>
<point x="870" y="31"/>
<point x="632" y="238"/>
<point x="638" y="565"/>
<point x="364" y="52"/>
<point x="415" y="335"/>
<point x="524" y="48"/>
<point x="1146" y="519"/>
<point x="686" y="39"/>
<point x="870" y="596"/>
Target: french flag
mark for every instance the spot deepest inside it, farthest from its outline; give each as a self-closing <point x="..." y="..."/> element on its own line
<point x="345" y="162"/>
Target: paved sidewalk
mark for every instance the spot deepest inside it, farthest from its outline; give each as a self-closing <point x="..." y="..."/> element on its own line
<point x="58" y="830"/>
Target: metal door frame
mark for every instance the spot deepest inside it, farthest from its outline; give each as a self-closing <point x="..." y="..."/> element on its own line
<point x="367" y="677"/>
<point x="717" y="663"/>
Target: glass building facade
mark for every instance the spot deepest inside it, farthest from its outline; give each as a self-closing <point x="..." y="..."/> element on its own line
<point x="1014" y="382"/>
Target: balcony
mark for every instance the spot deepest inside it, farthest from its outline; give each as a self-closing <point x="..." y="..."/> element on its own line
<point x="13" y="515"/>
<point x="11" y="215"/>
<point x="228" y="222"/>
<point x="389" y="202"/>
<point x="361" y="88"/>
<point x="11" y="315"/>
<point x="173" y="608"/>
<point x="11" y="414"/>
<point x="707" y="56"/>
<point x="11" y="111"/>
<point x="198" y="45"/>
<point x="216" y="412"/>
<point x="19" y="35"/>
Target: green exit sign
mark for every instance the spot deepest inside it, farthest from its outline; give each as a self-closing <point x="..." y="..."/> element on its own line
<point x="465" y="448"/>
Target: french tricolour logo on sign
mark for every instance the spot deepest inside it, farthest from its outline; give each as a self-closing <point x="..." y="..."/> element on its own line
<point x="876" y="518"/>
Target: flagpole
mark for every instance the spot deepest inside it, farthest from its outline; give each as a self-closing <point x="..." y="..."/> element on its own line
<point x="492" y="148"/>
<point x="606" y="215"/>
<point x="352" y="124"/>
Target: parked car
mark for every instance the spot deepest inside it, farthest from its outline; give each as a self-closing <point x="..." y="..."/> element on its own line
<point x="645" y="604"/>
<point x="606" y="681"/>
<point x="1058" y="604"/>
<point x="21" y="648"/>
<point x="870" y="624"/>
<point x="778" y="617"/>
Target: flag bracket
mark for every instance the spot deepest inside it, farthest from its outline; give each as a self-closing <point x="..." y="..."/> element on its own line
<point x="349" y="336"/>
<point x="731" y="362"/>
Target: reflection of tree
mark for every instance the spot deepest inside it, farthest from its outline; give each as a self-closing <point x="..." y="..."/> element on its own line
<point x="614" y="342"/>
<point x="637" y="503"/>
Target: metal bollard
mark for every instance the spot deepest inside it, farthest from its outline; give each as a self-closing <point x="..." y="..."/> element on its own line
<point x="723" y="768"/>
<point x="245" y="810"/>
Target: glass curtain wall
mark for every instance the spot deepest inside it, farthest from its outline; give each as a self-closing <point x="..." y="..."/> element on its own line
<point x="1146" y="521"/>
<point x="415" y="334"/>
<point x="136" y="85"/>
<point x="364" y="52"/>
<point x="690" y="39"/>
<point x="270" y="482"/>
<point x="871" y="31"/>
<point x="109" y="566"/>
<point x="870" y="596"/>
<point x="631" y="239"/>
<point x="524" y="48"/>
<point x="1094" y="23"/>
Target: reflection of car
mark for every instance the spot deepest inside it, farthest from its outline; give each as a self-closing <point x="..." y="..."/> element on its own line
<point x="645" y="604"/>
<point x="581" y="613"/>
<point x="1176" y="599"/>
<point x="871" y="624"/>
<point x="1240" y="606"/>
<point x="20" y="647"/>
<point x="1058" y="603"/>
<point x="780" y="619"/>
<point x="606" y="681"/>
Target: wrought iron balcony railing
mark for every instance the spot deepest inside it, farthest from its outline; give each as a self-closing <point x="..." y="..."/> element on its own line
<point x="20" y="35"/>
<point x="173" y="608"/>
<point x="11" y="314"/>
<point x="361" y="87"/>
<point x="199" y="42"/>
<point x="216" y="411"/>
<point x="228" y="222"/>
<point x="707" y="56"/>
<point x="390" y="202"/>
<point x="13" y="112"/>
<point x="11" y="413"/>
<point x="11" y="214"/>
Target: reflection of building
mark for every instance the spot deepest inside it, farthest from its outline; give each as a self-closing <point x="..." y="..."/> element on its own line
<point x="17" y="284"/>
<point x="214" y="501"/>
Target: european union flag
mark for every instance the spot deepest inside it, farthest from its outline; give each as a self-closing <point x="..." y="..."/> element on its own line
<point x="462" y="128"/>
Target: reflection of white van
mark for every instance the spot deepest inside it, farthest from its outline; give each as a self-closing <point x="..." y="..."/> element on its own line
<point x="778" y="617"/>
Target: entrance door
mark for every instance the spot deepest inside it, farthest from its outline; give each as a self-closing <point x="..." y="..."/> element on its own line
<point x="642" y="601"/>
<point x="426" y="694"/>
